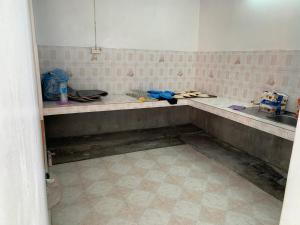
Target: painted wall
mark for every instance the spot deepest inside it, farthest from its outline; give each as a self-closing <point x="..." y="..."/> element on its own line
<point x="22" y="188"/>
<point x="249" y="25"/>
<point x="133" y="24"/>
<point x="248" y="46"/>
<point x="291" y="204"/>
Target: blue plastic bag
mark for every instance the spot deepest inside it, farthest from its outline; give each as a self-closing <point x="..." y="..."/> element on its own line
<point x="51" y="82"/>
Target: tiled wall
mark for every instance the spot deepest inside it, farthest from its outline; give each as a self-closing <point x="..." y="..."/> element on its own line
<point x="117" y="71"/>
<point x="245" y="75"/>
<point x="238" y="75"/>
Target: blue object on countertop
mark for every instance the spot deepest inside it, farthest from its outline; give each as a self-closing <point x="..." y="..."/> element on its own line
<point x="275" y="104"/>
<point x="51" y="84"/>
<point x="167" y="95"/>
<point x="272" y="103"/>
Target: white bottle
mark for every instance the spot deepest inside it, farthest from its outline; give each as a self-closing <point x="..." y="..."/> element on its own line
<point x="63" y="89"/>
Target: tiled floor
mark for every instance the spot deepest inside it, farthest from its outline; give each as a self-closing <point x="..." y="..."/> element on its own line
<point x="172" y="186"/>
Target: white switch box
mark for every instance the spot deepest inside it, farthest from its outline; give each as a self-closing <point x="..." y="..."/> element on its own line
<point x="96" y="50"/>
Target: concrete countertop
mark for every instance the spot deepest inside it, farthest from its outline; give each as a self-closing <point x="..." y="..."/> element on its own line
<point x="107" y="103"/>
<point x="218" y="106"/>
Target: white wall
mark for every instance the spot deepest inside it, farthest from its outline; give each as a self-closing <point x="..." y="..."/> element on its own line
<point x="249" y="25"/>
<point x="134" y="24"/>
<point x="291" y="205"/>
<point x="22" y="183"/>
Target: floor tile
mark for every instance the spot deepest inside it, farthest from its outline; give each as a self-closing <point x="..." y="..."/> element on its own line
<point x="129" y="181"/>
<point x="154" y="217"/>
<point x="93" y="174"/>
<point x="71" y="195"/>
<point x="99" y="189"/>
<point x="168" y="186"/>
<point x="120" y="168"/>
<point x="120" y="221"/>
<point x="156" y="175"/>
<point x="69" y="179"/>
<point x="212" y="216"/>
<point x="187" y="210"/>
<point x="169" y="190"/>
<point x="179" y="171"/>
<point x="181" y="221"/>
<point x="163" y="203"/>
<point x="234" y="218"/>
<point x="215" y="200"/>
<point x="145" y="163"/>
<point x="194" y="184"/>
<point x="267" y="211"/>
<point x="109" y="206"/>
<point x="140" y="198"/>
<point x="70" y="215"/>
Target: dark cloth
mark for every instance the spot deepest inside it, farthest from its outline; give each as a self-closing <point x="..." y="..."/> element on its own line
<point x="85" y="95"/>
<point x="89" y="93"/>
<point x="172" y="101"/>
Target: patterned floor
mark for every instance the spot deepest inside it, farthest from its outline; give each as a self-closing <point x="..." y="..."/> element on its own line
<point x="166" y="186"/>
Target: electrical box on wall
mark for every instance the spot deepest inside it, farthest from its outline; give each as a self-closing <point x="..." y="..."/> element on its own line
<point x="96" y="50"/>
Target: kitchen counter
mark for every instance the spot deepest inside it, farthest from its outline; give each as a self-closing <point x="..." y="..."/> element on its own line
<point x="218" y="106"/>
<point x="108" y="103"/>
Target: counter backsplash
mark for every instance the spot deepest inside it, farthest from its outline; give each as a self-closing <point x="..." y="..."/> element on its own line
<point x="239" y="75"/>
<point x="120" y="70"/>
<point x="245" y="75"/>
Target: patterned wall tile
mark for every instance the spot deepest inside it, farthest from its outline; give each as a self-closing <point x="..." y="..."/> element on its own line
<point x="240" y="75"/>
<point x="119" y="70"/>
<point x="245" y="75"/>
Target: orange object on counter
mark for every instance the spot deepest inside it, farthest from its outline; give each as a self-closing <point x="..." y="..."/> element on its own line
<point x="298" y="107"/>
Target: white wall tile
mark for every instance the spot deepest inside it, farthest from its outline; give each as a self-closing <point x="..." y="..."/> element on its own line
<point x="241" y="75"/>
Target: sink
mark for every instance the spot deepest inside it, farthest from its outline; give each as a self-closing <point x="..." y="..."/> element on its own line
<point x="287" y="118"/>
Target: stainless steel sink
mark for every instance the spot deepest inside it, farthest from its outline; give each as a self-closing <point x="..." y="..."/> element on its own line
<point x="287" y="118"/>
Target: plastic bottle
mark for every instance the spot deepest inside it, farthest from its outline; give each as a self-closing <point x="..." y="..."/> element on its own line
<point x="63" y="89"/>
